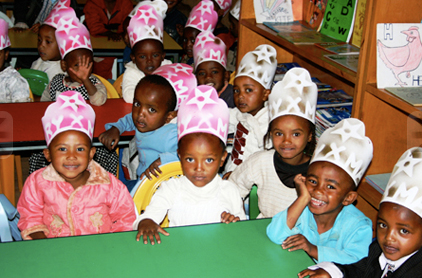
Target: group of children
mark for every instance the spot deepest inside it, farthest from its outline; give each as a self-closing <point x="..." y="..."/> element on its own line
<point x="183" y="113"/>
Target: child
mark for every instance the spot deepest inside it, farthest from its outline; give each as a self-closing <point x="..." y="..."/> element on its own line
<point x="291" y="106"/>
<point x="200" y="196"/>
<point x="76" y="60"/>
<point x="15" y="88"/>
<point x="147" y="46"/>
<point x="232" y="37"/>
<point x="397" y="252"/>
<point x="174" y="21"/>
<point x="157" y="98"/>
<point x="322" y="220"/>
<point x="210" y="61"/>
<point x="201" y="18"/>
<point x="250" y="119"/>
<point x="49" y="61"/>
<point x="73" y="195"/>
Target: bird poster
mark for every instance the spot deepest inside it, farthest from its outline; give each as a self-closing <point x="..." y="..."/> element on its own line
<point x="399" y="55"/>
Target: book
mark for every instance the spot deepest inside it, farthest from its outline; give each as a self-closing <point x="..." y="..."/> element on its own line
<point x="399" y="55"/>
<point x="412" y="95"/>
<point x="379" y="181"/>
<point x="282" y="68"/>
<point x="358" y="26"/>
<point x="339" y="19"/>
<point x="329" y="116"/>
<point x="306" y="37"/>
<point x="314" y="12"/>
<point x="349" y="61"/>
<point x="294" y="26"/>
<point x="273" y="11"/>
<point x="333" y="98"/>
<point x="339" y="48"/>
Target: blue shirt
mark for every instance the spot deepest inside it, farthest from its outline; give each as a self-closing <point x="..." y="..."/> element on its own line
<point x="160" y="143"/>
<point x="346" y="242"/>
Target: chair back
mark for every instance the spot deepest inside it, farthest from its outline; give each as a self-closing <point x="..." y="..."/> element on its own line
<point x="118" y="85"/>
<point x="9" y="218"/>
<point x="145" y="188"/>
<point x="37" y="80"/>
<point x="253" y="203"/>
<point x="111" y="92"/>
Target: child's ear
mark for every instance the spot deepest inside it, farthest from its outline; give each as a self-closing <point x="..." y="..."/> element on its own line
<point x="163" y="56"/>
<point x="92" y="152"/>
<point x="47" y="154"/>
<point x="63" y="65"/>
<point x="267" y="92"/>
<point x="132" y="57"/>
<point x="6" y="55"/>
<point x="351" y="196"/>
<point x="223" y="158"/>
<point x="170" y="116"/>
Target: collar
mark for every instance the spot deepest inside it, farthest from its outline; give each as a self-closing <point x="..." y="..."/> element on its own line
<point x="383" y="261"/>
<point x="97" y="174"/>
<point x="226" y="83"/>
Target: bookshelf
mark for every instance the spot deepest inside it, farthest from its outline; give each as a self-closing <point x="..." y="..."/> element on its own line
<point x="392" y="124"/>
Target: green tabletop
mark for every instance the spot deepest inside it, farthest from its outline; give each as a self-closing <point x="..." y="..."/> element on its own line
<point x="239" y="249"/>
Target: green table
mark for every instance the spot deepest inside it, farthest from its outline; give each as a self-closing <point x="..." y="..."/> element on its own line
<point x="239" y="249"/>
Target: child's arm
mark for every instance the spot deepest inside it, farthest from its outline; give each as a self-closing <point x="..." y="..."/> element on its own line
<point x="296" y="209"/>
<point x="130" y="80"/>
<point x="147" y="228"/>
<point x="110" y="138"/>
<point x="318" y="273"/>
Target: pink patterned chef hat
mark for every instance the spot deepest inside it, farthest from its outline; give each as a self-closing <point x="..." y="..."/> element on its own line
<point x="181" y="78"/>
<point x="203" y="17"/>
<point x="147" y="23"/>
<point x="160" y="7"/>
<point x="208" y="47"/>
<point x="4" y="34"/>
<point x="224" y="5"/>
<point x="203" y="111"/>
<point x="71" y="35"/>
<point x="62" y="9"/>
<point x="69" y="112"/>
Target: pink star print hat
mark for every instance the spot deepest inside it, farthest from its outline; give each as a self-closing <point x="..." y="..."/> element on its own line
<point x="69" y="112"/>
<point x="260" y="65"/>
<point x="208" y="47"/>
<point x="4" y="34"/>
<point x="224" y="5"/>
<point x="181" y="78"/>
<point x="203" y="17"/>
<point x="295" y="95"/>
<point x="405" y="184"/>
<point x="147" y="23"/>
<point x="62" y="9"/>
<point x="346" y="146"/>
<point x="203" y="111"/>
<point x="71" y="35"/>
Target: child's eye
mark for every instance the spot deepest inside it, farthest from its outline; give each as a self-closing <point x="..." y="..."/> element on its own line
<point x="136" y="104"/>
<point x="235" y="91"/>
<point x="189" y="159"/>
<point x="296" y="134"/>
<point x="215" y="72"/>
<point x="382" y="225"/>
<point x="142" y="56"/>
<point x="404" y="231"/>
<point x="151" y="110"/>
<point x="278" y="133"/>
<point x="330" y="186"/>
<point x="312" y="181"/>
<point x="248" y="90"/>
<point x="155" y="55"/>
<point x="192" y="41"/>
<point x="209" y="160"/>
<point x="80" y="149"/>
<point x="62" y="149"/>
<point x="201" y="73"/>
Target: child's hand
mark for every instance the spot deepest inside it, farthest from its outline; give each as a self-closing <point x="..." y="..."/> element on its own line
<point x="152" y="169"/>
<point x="84" y="69"/>
<point x="300" y="185"/>
<point x="38" y="235"/>
<point x="297" y="242"/>
<point x="148" y="229"/>
<point x="227" y="218"/>
<point x="110" y="138"/>
<point x="35" y="27"/>
<point x="318" y="273"/>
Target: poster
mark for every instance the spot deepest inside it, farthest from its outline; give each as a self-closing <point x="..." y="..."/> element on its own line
<point x="273" y="11"/>
<point x="338" y="19"/>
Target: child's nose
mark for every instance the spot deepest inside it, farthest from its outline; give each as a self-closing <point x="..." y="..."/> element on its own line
<point x="198" y="167"/>
<point x="389" y="235"/>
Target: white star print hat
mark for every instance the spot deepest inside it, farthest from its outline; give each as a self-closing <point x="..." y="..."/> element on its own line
<point x="346" y="146"/>
<point x="235" y="11"/>
<point x="203" y="111"/>
<point x="60" y="10"/>
<point x="4" y="34"/>
<point x="405" y="184"/>
<point x="181" y="78"/>
<point x="260" y="65"/>
<point x="71" y="35"/>
<point x="208" y="47"/>
<point x="203" y="17"/>
<point x="147" y="23"/>
<point x="295" y="95"/>
<point x="69" y="112"/>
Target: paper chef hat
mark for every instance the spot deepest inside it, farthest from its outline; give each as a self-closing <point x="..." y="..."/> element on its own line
<point x="224" y="5"/>
<point x="295" y="95"/>
<point x="346" y="146"/>
<point x="405" y="184"/>
<point x="71" y="35"/>
<point x="181" y="78"/>
<point x="208" y="47"/>
<point x="260" y="65"/>
<point x="203" y="17"/>
<point x="160" y="7"/>
<point x="62" y="9"/>
<point x="4" y="34"/>
<point x="147" y="23"/>
<point x="235" y="11"/>
<point x="203" y="111"/>
<point x="69" y="112"/>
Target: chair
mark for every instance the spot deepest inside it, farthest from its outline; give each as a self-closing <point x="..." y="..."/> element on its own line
<point x="145" y="188"/>
<point x="118" y="85"/>
<point x="111" y="92"/>
<point x="9" y="218"/>
<point x="37" y="80"/>
<point x="253" y="203"/>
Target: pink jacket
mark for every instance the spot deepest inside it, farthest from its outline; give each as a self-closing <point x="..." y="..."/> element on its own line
<point x="51" y="205"/>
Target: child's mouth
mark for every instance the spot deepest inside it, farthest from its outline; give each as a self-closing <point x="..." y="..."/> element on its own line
<point x="210" y="84"/>
<point x="390" y="249"/>
<point x="141" y="124"/>
<point x="71" y="167"/>
<point x="317" y="203"/>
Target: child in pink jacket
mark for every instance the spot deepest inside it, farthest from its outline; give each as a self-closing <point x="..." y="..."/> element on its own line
<point x="74" y="195"/>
